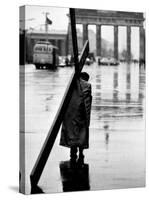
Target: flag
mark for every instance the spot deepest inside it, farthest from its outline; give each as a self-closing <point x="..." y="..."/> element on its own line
<point x="48" y="21"/>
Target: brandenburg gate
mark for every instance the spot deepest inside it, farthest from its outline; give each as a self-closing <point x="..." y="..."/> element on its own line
<point x="113" y="18"/>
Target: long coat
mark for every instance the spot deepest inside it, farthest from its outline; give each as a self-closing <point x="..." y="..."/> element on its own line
<point x="75" y="126"/>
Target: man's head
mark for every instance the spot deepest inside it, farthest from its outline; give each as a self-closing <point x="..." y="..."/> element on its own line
<point x="85" y="76"/>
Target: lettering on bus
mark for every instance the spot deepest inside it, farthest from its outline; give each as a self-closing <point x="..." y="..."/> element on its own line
<point x="43" y="48"/>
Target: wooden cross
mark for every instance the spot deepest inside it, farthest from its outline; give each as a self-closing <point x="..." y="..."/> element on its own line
<point x="52" y="134"/>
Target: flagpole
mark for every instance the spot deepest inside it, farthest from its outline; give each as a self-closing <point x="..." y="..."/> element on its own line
<point x="46" y="24"/>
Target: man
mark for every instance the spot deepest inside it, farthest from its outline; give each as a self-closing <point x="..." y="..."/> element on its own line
<point x="75" y="126"/>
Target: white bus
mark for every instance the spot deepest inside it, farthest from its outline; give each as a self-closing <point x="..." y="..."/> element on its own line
<point x="45" y="55"/>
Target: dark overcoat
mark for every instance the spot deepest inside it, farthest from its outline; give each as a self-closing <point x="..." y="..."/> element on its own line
<point x="75" y="126"/>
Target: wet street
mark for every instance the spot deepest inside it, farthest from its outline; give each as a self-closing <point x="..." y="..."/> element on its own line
<point x="116" y="157"/>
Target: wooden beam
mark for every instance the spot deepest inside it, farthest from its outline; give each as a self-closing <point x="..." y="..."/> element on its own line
<point x="52" y="134"/>
<point x="83" y="55"/>
<point x="74" y="38"/>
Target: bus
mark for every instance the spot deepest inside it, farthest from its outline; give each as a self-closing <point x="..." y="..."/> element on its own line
<point x="45" y="55"/>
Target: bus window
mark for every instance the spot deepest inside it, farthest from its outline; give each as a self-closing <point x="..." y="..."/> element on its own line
<point x="50" y="50"/>
<point x="41" y="48"/>
<point x="38" y="48"/>
<point x="44" y="48"/>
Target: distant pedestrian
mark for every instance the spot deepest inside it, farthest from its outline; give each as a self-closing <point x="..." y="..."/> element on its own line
<point x="75" y="126"/>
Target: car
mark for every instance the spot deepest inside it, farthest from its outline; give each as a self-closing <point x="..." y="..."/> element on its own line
<point x="108" y="61"/>
<point x="88" y="61"/>
<point x="62" y="62"/>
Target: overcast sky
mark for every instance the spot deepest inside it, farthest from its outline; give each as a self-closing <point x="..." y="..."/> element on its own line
<point x="37" y="14"/>
<point x="35" y="18"/>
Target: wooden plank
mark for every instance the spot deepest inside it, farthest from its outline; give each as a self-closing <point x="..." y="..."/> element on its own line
<point x="52" y="134"/>
<point x="84" y="55"/>
<point x="74" y="38"/>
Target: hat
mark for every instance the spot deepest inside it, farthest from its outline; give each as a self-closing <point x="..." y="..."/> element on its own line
<point x="84" y="75"/>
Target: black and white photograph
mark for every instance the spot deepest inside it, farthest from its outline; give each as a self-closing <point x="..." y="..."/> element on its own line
<point x="82" y="99"/>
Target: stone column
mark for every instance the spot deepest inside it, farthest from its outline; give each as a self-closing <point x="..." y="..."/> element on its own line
<point x="116" y="42"/>
<point x="128" y="43"/>
<point x="115" y="86"/>
<point x="57" y="43"/>
<point x="60" y="47"/>
<point x="85" y="33"/>
<point x="69" y="41"/>
<point x="142" y="44"/>
<point x="63" y="47"/>
<point x="98" y="40"/>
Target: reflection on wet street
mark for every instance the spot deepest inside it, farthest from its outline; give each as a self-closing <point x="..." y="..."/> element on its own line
<point x="74" y="177"/>
<point x="116" y="156"/>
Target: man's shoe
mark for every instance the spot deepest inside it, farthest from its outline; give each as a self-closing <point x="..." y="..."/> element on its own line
<point x="80" y="161"/>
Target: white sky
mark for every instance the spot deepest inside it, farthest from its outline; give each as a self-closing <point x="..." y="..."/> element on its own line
<point x="56" y="14"/>
<point x="35" y="18"/>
